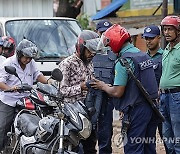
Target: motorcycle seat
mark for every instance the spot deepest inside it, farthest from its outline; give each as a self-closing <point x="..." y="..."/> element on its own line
<point x="28" y="124"/>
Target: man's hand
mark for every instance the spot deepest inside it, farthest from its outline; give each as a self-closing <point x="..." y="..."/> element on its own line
<point x="50" y="81"/>
<point x="83" y="86"/>
<point x="15" y="88"/>
<point x="97" y="84"/>
<point x="12" y="89"/>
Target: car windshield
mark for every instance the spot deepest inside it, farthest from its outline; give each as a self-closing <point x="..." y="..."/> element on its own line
<point x="55" y="38"/>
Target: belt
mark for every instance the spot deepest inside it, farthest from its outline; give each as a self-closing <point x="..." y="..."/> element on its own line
<point x="166" y="91"/>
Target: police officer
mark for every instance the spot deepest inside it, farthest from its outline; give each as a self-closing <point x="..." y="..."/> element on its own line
<point x="102" y="26"/>
<point x="170" y="83"/>
<point x="136" y="110"/>
<point x="105" y="118"/>
<point x="152" y="37"/>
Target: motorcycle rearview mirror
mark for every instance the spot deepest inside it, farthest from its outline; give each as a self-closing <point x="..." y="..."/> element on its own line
<point x="57" y="75"/>
<point x="12" y="70"/>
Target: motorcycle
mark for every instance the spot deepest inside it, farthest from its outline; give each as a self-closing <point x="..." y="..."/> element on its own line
<point x="45" y="124"/>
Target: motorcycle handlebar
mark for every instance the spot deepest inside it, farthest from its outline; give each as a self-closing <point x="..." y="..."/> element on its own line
<point x="21" y="88"/>
<point x="9" y="90"/>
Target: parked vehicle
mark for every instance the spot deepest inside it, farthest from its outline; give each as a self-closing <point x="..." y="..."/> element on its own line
<point x="54" y="36"/>
<point x="56" y="131"/>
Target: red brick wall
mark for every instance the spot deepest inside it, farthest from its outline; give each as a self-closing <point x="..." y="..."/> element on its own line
<point x="140" y="43"/>
<point x="104" y="3"/>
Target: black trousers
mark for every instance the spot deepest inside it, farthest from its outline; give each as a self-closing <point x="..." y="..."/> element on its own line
<point x="89" y="145"/>
<point x="6" y="119"/>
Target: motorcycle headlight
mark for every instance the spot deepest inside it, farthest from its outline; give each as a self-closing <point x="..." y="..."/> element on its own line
<point x="86" y="128"/>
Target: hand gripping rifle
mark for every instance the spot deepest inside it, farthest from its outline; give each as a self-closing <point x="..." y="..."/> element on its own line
<point x="125" y="63"/>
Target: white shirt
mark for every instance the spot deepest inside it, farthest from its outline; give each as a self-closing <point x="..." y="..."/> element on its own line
<point x="28" y="75"/>
<point x="2" y="59"/>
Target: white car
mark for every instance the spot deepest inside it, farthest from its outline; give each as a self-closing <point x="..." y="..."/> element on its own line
<point x="55" y="37"/>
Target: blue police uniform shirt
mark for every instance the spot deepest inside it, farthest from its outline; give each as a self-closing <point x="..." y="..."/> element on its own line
<point x="157" y="55"/>
<point x="121" y="75"/>
<point x="140" y="62"/>
<point x="157" y="59"/>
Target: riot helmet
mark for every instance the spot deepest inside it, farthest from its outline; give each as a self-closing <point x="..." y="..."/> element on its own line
<point x="115" y="37"/>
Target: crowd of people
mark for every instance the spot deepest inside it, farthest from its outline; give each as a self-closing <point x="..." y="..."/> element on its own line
<point x="157" y="71"/>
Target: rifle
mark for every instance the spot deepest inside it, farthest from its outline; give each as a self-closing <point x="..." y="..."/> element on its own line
<point x="125" y="63"/>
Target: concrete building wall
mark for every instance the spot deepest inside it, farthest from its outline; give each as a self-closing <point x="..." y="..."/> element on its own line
<point x="138" y="4"/>
<point x="26" y="8"/>
<point x="143" y="8"/>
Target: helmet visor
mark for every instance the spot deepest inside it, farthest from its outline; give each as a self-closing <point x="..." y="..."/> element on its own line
<point x="91" y="45"/>
<point x="31" y="52"/>
<point x="104" y="41"/>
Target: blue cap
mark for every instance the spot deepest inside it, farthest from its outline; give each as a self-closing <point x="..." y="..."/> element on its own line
<point x="151" y="31"/>
<point x="103" y="25"/>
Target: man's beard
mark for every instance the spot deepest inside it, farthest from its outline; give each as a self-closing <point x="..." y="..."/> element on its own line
<point x="84" y="59"/>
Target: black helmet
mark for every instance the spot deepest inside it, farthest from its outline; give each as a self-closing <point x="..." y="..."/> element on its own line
<point x="26" y="48"/>
<point x="7" y="43"/>
<point x="87" y="39"/>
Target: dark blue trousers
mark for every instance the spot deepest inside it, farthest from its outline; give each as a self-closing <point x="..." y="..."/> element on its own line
<point x="141" y="135"/>
<point x="105" y="130"/>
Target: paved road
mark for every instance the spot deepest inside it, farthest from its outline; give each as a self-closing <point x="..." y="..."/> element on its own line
<point x="116" y="130"/>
